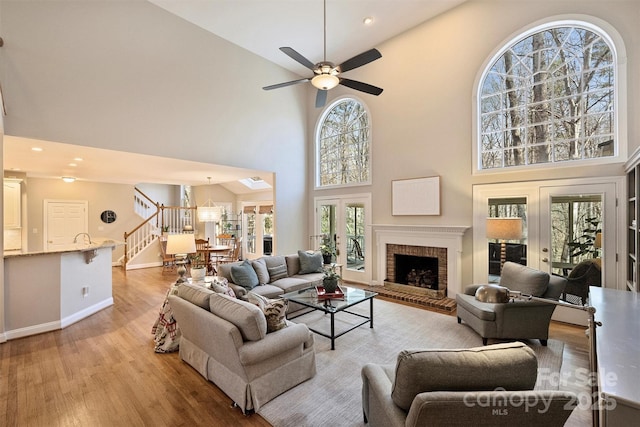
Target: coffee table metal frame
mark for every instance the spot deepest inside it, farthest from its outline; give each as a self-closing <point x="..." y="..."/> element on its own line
<point x="352" y="296"/>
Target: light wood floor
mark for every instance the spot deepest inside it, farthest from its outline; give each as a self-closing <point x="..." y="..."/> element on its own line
<point x="102" y="371"/>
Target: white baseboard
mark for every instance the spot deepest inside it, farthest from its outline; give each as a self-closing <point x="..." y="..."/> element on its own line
<point x="33" y="330"/>
<point x="70" y="320"/>
<point x="57" y="324"/>
<point x="148" y="265"/>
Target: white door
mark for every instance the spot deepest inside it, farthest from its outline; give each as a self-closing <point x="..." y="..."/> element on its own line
<point x="346" y="221"/>
<point x="63" y="221"/>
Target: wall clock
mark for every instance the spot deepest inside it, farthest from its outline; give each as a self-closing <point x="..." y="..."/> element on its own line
<point x="108" y="216"/>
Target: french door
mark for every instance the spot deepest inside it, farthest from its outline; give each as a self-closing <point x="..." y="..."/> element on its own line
<point x="345" y="222"/>
<point x="565" y="222"/>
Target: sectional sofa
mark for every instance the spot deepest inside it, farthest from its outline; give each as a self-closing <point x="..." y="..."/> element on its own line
<point x="231" y="343"/>
<point x="271" y="276"/>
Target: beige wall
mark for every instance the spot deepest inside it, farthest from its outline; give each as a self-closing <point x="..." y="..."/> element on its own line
<point x="422" y="123"/>
<point x="100" y="197"/>
<point x="129" y="76"/>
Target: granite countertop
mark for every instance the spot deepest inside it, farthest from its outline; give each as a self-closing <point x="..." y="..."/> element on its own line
<point x="98" y="244"/>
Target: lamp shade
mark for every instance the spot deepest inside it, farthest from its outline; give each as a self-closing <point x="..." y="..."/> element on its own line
<point x="181" y="244"/>
<point x="208" y="213"/>
<point x="504" y="228"/>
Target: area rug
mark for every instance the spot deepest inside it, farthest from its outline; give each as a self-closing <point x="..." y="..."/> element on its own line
<point x="333" y="396"/>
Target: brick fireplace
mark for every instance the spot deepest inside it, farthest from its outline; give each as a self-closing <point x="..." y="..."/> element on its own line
<point x="417" y="269"/>
<point x="444" y="243"/>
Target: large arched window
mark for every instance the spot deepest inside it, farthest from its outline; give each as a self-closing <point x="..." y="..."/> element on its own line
<point x="342" y="145"/>
<point x="549" y="97"/>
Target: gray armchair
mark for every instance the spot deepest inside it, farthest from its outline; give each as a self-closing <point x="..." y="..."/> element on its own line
<point x="488" y="386"/>
<point x="513" y="319"/>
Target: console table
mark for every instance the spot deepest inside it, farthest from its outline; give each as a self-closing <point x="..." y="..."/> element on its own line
<point x="618" y="354"/>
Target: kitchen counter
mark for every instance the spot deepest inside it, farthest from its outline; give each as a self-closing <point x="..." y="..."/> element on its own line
<point x="49" y="290"/>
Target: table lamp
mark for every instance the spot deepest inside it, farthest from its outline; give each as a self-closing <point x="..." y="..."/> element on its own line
<point x="180" y="245"/>
<point x="504" y="229"/>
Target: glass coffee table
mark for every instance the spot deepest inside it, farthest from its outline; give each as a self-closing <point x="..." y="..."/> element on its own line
<point x="352" y="296"/>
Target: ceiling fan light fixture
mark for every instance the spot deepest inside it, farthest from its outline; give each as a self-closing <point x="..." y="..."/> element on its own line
<point x="325" y="81"/>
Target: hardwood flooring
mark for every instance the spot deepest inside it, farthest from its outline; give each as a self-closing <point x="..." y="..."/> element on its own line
<point x="102" y="371"/>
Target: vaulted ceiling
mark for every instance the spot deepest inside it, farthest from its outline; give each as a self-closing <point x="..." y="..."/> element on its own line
<point x="259" y="26"/>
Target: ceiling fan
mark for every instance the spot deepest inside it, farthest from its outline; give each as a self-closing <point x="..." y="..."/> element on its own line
<point x="327" y="75"/>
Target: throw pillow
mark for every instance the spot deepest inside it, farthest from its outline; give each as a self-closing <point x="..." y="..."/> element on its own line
<point x="277" y="267"/>
<point x="310" y="262"/>
<point x="274" y="310"/>
<point x="244" y="275"/>
<point x="221" y="286"/>
<point x="261" y="271"/>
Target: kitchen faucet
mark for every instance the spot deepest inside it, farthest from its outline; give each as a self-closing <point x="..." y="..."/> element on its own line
<point x="75" y="239"/>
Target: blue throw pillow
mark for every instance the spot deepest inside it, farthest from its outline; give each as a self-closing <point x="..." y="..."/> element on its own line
<point x="244" y="275"/>
<point x="310" y="262"/>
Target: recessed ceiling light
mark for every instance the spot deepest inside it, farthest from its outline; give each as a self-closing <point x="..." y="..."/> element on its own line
<point x="368" y="20"/>
<point x="73" y="164"/>
<point x="36" y="149"/>
<point x="78" y="159"/>
<point x="68" y="179"/>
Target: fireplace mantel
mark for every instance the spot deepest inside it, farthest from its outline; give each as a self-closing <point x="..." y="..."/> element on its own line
<point x="441" y="236"/>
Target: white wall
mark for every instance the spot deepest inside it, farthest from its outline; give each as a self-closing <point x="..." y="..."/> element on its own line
<point x="422" y="123"/>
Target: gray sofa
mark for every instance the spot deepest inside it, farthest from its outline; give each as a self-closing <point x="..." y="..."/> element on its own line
<point x="513" y="319"/>
<point x="276" y="275"/>
<point x="488" y="386"/>
<point x="226" y="341"/>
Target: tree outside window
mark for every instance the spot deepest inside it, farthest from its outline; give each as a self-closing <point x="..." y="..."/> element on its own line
<point x="549" y="98"/>
<point x="343" y="145"/>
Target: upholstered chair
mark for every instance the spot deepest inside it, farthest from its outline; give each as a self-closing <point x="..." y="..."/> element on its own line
<point x="514" y="319"/>
<point x="489" y="386"/>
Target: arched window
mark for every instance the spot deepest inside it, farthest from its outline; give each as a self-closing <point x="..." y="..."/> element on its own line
<point x="342" y="145"/>
<point x="549" y="97"/>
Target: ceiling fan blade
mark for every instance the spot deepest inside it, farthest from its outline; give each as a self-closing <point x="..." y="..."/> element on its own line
<point x="362" y="87"/>
<point x="279" y="85"/>
<point x="321" y="98"/>
<point x="359" y="60"/>
<point x="297" y="57"/>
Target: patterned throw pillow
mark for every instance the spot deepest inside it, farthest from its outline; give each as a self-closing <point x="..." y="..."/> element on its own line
<point x="274" y="310"/>
<point x="221" y="286"/>
<point x="310" y="262"/>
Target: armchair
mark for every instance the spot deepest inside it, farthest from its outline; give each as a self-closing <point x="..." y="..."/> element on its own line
<point x="513" y="319"/>
<point x="491" y="385"/>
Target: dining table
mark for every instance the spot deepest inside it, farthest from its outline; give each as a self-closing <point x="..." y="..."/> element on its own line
<point x="214" y="253"/>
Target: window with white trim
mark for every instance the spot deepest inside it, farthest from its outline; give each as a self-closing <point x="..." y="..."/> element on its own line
<point x="549" y="98"/>
<point x="343" y="145"/>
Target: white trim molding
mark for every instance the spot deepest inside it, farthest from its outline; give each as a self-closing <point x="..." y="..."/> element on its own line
<point x="438" y="236"/>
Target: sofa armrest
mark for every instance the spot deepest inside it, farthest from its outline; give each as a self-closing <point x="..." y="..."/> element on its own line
<point x="274" y="343"/>
<point x="241" y="292"/>
<point x="377" y="405"/>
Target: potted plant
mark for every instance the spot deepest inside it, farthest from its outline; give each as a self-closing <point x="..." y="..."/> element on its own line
<point x="198" y="268"/>
<point x="330" y="279"/>
<point x="327" y="249"/>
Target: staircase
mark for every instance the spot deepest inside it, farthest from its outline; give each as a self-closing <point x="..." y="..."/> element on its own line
<point x="157" y="219"/>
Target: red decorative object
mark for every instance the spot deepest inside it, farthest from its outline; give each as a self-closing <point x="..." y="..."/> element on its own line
<point x="323" y="295"/>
